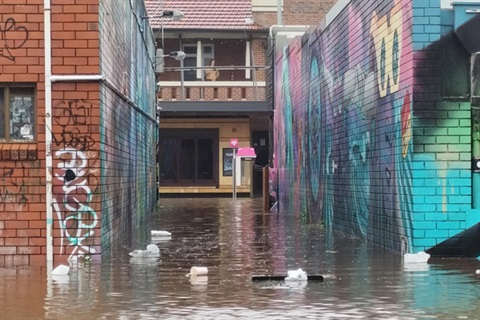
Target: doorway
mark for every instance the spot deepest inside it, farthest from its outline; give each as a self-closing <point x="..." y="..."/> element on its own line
<point x="188" y="157"/>
<point x="260" y="144"/>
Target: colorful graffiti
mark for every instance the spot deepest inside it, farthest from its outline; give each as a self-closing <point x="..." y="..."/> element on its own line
<point x="76" y="218"/>
<point x="343" y="131"/>
<point x="128" y="138"/>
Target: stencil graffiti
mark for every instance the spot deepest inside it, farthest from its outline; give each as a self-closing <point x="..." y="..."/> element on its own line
<point x="76" y="219"/>
<point x="12" y="37"/>
<point x="73" y="119"/>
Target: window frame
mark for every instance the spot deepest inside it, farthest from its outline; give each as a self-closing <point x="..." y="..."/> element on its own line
<point x="203" y="57"/>
<point x="7" y="88"/>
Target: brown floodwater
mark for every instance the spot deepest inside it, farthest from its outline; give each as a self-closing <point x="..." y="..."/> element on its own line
<point x="235" y="241"/>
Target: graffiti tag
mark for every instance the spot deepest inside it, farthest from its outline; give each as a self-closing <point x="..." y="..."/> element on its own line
<point x="12" y="190"/>
<point x="13" y="37"/>
<point x="70" y="116"/>
<point x="77" y="220"/>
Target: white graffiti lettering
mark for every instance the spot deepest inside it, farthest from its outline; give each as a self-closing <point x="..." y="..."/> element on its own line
<point x="76" y="219"/>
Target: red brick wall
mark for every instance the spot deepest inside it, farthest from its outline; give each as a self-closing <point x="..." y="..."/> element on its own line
<point x="297" y="12"/>
<point x="22" y="169"/>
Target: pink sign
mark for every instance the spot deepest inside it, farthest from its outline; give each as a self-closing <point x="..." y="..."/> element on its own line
<point x="246" y="152"/>
<point x="234" y="143"/>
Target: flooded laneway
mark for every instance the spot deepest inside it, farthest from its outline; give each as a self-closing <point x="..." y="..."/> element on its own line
<point x="236" y="241"/>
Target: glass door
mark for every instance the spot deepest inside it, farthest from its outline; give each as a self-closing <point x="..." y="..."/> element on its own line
<point x="188" y="157"/>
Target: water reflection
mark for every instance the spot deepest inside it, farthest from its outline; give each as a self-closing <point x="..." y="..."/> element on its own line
<point x="236" y="241"/>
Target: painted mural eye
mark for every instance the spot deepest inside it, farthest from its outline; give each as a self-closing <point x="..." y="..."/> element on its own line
<point x="395" y="57"/>
<point x="383" y="62"/>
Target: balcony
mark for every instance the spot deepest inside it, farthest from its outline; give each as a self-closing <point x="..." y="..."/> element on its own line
<point x="219" y="97"/>
<point x="212" y="91"/>
<point x="240" y="85"/>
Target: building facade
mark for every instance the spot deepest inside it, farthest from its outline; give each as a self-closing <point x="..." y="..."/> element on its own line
<point x="198" y="117"/>
<point x="376" y="125"/>
<point x="77" y="128"/>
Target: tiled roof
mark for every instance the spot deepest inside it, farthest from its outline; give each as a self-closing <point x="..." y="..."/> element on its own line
<point x="204" y="14"/>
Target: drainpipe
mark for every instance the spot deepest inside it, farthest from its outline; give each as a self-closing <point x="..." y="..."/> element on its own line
<point x="48" y="127"/>
<point x="279" y="11"/>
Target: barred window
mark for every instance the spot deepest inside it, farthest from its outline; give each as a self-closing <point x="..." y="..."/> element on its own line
<point x="17" y="113"/>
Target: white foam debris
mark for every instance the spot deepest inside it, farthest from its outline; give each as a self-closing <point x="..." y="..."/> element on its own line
<point x="161" y="233"/>
<point x="296" y="275"/>
<point x="416" y="257"/>
<point x="61" y="270"/>
<point x="151" y="251"/>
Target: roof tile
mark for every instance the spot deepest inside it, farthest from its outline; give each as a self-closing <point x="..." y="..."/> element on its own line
<point x="204" y="14"/>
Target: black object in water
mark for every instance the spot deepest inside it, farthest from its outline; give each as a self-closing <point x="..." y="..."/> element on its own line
<point x="281" y="278"/>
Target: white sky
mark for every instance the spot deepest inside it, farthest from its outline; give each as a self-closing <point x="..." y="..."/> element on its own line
<point x="447" y="3"/>
<point x="340" y="4"/>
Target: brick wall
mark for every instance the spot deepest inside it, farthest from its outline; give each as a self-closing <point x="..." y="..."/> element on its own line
<point x="74" y="50"/>
<point x="21" y="187"/>
<point x="76" y="132"/>
<point x="211" y="93"/>
<point x="442" y="132"/>
<point x="297" y="13"/>
<point x="84" y="186"/>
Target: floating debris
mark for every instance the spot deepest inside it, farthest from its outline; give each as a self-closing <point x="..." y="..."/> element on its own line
<point x="151" y="251"/>
<point x="416" y="257"/>
<point x="61" y="270"/>
<point x="292" y="275"/>
<point x="197" y="271"/>
<point x="161" y="234"/>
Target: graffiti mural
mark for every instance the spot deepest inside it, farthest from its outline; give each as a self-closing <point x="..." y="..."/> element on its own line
<point x="343" y="130"/>
<point x="129" y="137"/>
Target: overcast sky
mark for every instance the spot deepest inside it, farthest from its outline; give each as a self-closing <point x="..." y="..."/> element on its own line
<point x="447" y="3"/>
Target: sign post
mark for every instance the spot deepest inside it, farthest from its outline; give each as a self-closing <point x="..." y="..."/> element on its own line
<point x="234" y="145"/>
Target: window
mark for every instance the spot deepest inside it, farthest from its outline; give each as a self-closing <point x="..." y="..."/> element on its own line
<point x="191" y="60"/>
<point x="17" y="113"/>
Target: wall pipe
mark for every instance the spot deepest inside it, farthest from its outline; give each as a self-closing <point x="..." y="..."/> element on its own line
<point x="48" y="127"/>
<point x="279" y="11"/>
<point x="74" y="77"/>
